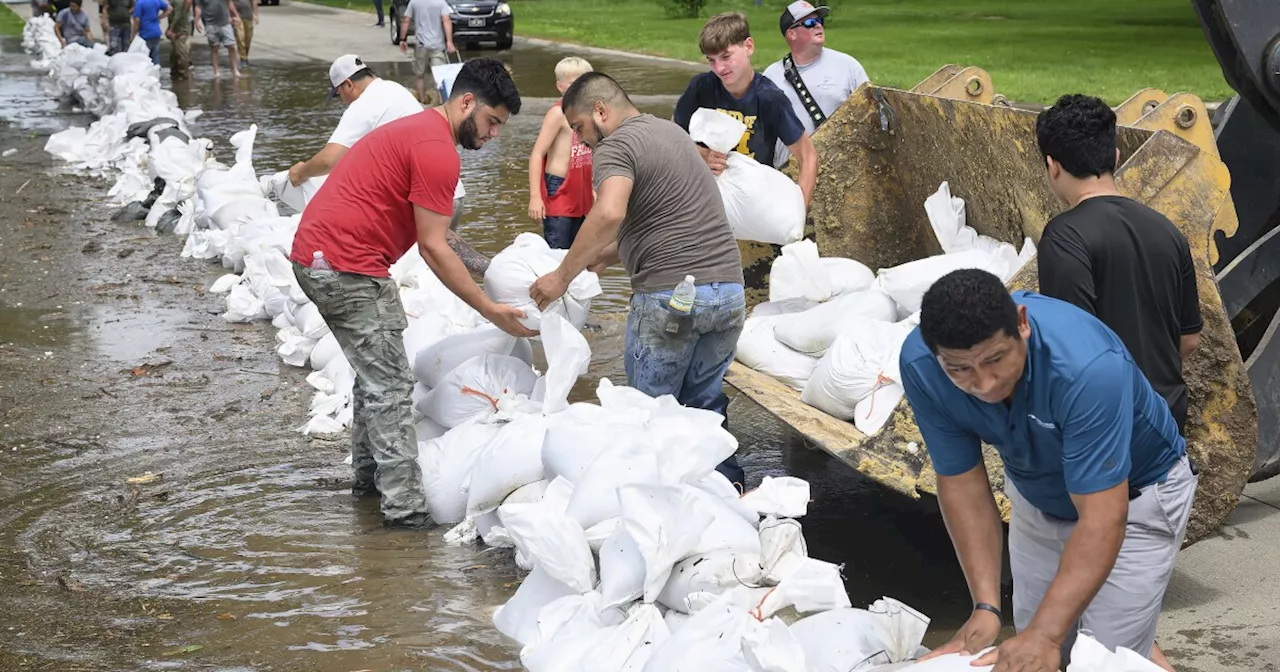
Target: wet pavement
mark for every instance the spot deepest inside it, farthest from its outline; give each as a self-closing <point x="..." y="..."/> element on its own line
<point x="247" y="552"/>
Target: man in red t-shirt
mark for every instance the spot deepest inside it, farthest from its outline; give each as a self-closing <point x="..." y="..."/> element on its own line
<point x="392" y="189"/>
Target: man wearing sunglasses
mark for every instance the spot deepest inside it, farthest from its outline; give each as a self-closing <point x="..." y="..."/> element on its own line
<point x="816" y="80"/>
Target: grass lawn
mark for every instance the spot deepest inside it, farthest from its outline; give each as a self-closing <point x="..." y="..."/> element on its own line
<point x="10" y="22"/>
<point x="1035" y="50"/>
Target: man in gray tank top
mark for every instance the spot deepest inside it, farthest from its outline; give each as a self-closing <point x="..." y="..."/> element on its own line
<point x="659" y="212"/>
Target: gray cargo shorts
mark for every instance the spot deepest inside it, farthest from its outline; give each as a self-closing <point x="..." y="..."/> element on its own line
<point x="1127" y="607"/>
<point x="220" y="36"/>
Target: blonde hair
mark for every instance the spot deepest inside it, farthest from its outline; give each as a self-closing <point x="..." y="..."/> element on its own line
<point x="571" y="68"/>
<point x="723" y="31"/>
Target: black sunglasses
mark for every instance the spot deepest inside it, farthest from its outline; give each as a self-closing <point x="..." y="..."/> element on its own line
<point x="811" y="22"/>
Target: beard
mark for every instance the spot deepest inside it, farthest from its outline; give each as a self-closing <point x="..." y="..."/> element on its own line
<point x="468" y="134"/>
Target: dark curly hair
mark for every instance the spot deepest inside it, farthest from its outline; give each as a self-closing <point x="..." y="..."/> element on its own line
<point x="488" y="80"/>
<point x="964" y="308"/>
<point x="1079" y="132"/>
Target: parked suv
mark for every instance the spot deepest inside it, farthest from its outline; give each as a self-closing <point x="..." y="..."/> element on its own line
<point x="474" y="21"/>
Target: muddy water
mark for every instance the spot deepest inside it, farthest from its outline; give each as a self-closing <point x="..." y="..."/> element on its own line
<point x="249" y="546"/>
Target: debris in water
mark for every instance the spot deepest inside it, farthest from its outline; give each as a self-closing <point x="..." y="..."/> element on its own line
<point x="148" y="368"/>
<point x="9" y="152"/>
<point x="190" y="648"/>
<point x="70" y="584"/>
<point x="226" y="617"/>
<point x="147" y="477"/>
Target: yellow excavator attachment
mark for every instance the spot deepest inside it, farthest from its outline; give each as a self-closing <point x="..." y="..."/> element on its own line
<point x="886" y="150"/>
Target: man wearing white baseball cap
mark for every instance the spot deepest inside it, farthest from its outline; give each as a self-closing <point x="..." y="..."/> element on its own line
<point x="816" y="80"/>
<point x="350" y="80"/>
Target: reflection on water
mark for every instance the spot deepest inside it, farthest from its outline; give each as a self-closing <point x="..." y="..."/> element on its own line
<point x="256" y="529"/>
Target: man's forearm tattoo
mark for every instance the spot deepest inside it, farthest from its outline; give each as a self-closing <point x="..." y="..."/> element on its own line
<point x="475" y="262"/>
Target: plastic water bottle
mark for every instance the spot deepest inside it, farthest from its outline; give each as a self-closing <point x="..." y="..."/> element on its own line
<point x="682" y="298"/>
<point x="318" y="263"/>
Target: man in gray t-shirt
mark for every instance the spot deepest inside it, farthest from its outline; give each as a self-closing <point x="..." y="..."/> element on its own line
<point x="830" y="76"/>
<point x="659" y="211"/>
<point x="217" y="18"/>
<point x="433" y="28"/>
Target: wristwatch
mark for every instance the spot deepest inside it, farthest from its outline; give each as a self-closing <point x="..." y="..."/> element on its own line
<point x="991" y="608"/>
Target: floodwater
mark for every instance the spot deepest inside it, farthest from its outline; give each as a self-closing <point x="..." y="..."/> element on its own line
<point x="248" y="551"/>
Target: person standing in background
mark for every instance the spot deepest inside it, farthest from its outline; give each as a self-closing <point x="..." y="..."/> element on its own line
<point x="1113" y="256"/>
<point x="434" y="32"/>
<point x="72" y="26"/>
<point x="216" y="18"/>
<point x="817" y="80"/>
<point x="244" y="29"/>
<point x="734" y="88"/>
<point x="560" y="168"/>
<point x="377" y="5"/>
<point x="179" y="34"/>
<point x="146" y="24"/>
<point x="117" y="24"/>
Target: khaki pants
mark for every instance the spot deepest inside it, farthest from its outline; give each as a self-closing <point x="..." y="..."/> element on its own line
<point x="366" y="316"/>
<point x="180" y="57"/>
<point x="244" y="36"/>
<point x="1125" y="611"/>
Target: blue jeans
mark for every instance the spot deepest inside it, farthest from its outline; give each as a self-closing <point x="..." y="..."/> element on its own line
<point x="687" y="356"/>
<point x="559" y="231"/>
<point x="153" y="45"/>
<point x="118" y="39"/>
<point x="377" y="4"/>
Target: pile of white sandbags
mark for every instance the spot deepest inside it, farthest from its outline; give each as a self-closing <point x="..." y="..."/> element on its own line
<point x="761" y="203"/>
<point x="833" y="330"/>
<point x="641" y="555"/>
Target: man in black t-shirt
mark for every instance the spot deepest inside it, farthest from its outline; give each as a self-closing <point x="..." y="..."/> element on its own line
<point x="734" y="88"/>
<point x="1112" y="256"/>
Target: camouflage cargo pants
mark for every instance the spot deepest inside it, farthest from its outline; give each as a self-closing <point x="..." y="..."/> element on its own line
<point x="365" y="315"/>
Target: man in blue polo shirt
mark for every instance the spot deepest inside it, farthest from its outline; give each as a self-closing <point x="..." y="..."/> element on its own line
<point x="1095" y="468"/>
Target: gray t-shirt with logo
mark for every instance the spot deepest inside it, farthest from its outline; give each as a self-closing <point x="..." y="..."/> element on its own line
<point x="675" y="224"/>
<point x="831" y="80"/>
<point x="427" y="24"/>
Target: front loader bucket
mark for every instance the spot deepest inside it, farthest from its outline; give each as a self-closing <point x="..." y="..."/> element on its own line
<point x="886" y="150"/>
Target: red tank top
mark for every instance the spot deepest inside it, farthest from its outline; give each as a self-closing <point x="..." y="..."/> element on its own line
<point x="573" y="198"/>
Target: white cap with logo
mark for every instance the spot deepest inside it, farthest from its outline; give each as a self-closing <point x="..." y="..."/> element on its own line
<point x="342" y="69"/>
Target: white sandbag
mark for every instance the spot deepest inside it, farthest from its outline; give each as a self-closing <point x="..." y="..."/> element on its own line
<point x="797" y="304"/>
<point x="279" y="187"/>
<point x="621" y="569"/>
<point x="475" y="387"/>
<point x="309" y="322"/>
<point x="782" y="548"/>
<point x="511" y="459"/>
<point x="784" y="496"/>
<point x="665" y="523"/>
<point x="326" y="350"/>
<point x="629" y="647"/>
<point x="798" y="272"/>
<point x="908" y="282"/>
<point x="710" y="641"/>
<point x="812" y="586"/>
<point x="873" y="411"/>
<point x="577" y="436"/>
<point x="847" y="275"/>
<point x="856" y="366"/>
<point x="770" y="647"/>
<point x="243" y="306"/>
<point x="518" y="618"/>
<point x="717" y="485"/>
<point x="596" y="496"/>
<point x="1088" y="654"/>
<point x="675" y="619"/>
<point x="553" y="541"/>
<point x="431" y="365"/>
<point x="837" y="640"/>
<point x="713" y="572"/>
<point x="424" y="332"/>
<point x="728" y="531"/>
<point x="225" y="283"/>
<point x="446" y="464"/>
<point x="568" y="357"/>
<point x="760" y="350"/>
<point x="813" y="331"/>
<point x="956" y="662"/>
<point x="513" y="271"/>
<point x="425" y="428"/>
<point x="599" y="533"/>
<point x="760" y="202"/>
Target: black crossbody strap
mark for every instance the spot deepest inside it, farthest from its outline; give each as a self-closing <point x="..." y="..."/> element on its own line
<point x="810" y="105"/>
